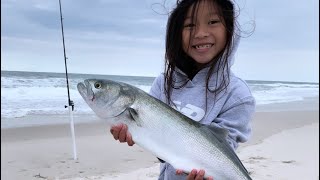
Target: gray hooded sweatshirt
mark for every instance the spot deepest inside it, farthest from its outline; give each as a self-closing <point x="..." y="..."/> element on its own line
<point x="232" y="108"/>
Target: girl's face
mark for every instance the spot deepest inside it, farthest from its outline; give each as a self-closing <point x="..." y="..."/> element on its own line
<point x="205" y="36"/>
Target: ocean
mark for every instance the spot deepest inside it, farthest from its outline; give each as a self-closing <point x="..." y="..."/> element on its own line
<point x="32" y="93"/>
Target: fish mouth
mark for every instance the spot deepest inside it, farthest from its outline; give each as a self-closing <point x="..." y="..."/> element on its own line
<point x="85" y="90"/>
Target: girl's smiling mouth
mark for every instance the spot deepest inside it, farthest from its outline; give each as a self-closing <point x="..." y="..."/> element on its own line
<point x="203" y="46"/>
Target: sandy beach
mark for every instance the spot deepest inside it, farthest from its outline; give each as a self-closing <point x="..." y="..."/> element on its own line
<point x="284" y="145"/>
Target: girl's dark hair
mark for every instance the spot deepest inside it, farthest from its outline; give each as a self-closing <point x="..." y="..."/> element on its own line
<point x="175" y="57"/>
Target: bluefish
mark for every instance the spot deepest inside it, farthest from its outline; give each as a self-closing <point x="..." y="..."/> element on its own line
<point x="162" y="130"/>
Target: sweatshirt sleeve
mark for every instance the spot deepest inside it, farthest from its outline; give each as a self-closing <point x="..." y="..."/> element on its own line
<point x="236" y="119"/>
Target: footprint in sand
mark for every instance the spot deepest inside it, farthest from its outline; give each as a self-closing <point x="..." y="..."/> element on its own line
<point x="289" y="162"/>
<point x="257" y="158"/>
<point x="129" y="160"/>
<point x="253" y="160"/>
<point x="152" y="175"/>
<point x="22" y="170"/>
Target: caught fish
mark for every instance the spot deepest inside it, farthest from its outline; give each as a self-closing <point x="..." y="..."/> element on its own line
<point x="160" y="129"/>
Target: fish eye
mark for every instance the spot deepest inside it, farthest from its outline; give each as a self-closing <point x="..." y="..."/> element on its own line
<point x="97" y="85"/>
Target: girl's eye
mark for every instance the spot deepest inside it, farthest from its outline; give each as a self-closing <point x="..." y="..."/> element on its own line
<point x="189" y="25"/>
<point x="213" y="22"/>
<point x="97" y="85"/>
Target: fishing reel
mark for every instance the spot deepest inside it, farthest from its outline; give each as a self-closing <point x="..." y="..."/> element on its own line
<point x="70" y="104"/>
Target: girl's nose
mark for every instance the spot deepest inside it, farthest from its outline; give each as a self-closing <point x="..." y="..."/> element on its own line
<point x="201" y="31"/>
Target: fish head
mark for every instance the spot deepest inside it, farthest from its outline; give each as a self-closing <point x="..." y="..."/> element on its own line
<point x="105" y="97"/>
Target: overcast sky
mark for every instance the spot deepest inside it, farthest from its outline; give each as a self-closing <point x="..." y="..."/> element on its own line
<point x="126" y="37"/>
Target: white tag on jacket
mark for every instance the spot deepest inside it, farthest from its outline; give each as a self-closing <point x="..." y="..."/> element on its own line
<point x="190" y="110"/>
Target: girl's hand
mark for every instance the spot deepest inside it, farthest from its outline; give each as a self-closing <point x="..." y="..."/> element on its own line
<point x="120" y="132"/>
<point x="194" y="174"/>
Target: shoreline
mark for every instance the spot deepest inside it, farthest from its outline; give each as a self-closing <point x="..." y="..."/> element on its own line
<point x="34" y="120"/>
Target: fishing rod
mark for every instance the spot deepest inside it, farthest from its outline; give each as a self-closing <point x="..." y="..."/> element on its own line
<point x="70" y="102"/>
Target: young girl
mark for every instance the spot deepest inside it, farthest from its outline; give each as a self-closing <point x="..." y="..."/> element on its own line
<point x="200" y="44"/>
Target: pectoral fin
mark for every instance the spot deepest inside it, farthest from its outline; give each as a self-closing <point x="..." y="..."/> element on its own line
<point x="134" y="116"/>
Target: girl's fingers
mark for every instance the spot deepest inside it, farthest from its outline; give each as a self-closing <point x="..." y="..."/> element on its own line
<point x="192" y="175"/>
<point x="115" y="130"/>
<point x="179" y="172"/>
<point x="129" y="139"/>
<point x="123" y="133"/>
